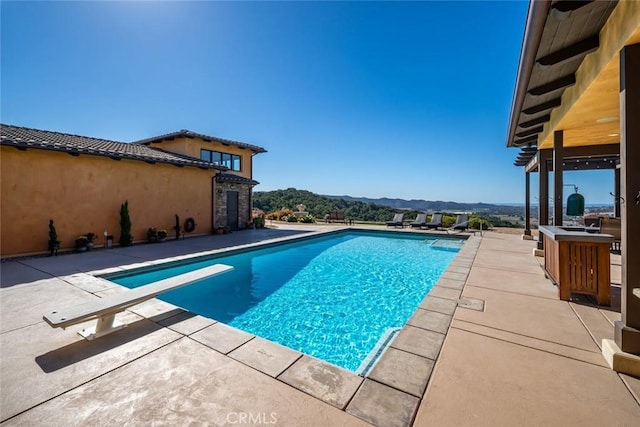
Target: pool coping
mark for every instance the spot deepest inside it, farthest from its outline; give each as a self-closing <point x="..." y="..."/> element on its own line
<point x="389" y="394"/>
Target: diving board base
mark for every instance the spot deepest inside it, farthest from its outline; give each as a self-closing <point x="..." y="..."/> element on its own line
<point x="104" y="326"/>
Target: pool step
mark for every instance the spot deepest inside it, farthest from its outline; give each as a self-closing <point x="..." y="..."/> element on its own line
<point x="378" y="350"/>
<point x="445" y="244"/>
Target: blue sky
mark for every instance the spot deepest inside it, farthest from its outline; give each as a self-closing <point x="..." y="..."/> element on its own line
<point x="377" y="99"/>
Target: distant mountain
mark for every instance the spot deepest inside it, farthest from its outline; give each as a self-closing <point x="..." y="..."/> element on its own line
<point x="423" y="205"/>
<point x="380" y="210"/>
<point x="319" y="206"/>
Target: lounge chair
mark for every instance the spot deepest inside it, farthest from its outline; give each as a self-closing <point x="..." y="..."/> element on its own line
<point x="436" y="221"/>
<point x="336" y="216"/>
<point x="397" y="221"/>
<point x="462" y="223"/>
<point x="420" y="221"/>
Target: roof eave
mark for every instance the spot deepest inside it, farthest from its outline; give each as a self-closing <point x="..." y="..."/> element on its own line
<point x="536" y="18"/>
<point x="25" y="145"/>
<point x="189" y="134"/>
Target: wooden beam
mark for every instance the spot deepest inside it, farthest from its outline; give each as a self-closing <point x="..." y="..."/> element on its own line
<point x="560" y="83"/>
<point x="569" y="5"/>
<point x="531" y="131"/>
<point x="580" y="48"/>
<point x="529" y="140"/>
<point x="528" y="150"/>
<point x="556" y="102"/>
<point x="591" y="164"/>
<point x="525" y="156"/>
<point x="533" y="164"/>
<point x="536" y="121"/>
<point x="592" y="150"/>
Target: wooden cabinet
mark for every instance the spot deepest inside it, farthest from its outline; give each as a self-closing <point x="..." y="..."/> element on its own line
<point x="578" y="262"/>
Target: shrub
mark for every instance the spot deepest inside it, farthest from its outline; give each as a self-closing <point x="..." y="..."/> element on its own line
<point x="258" y="222"/>
<point x="81" y="241"/>
<point x="279" y="215"/>
<point x="307" y="219"/>
<point x="162" y="234"/>
<point x="448" y="220"/>
<point x="289" y="218"/>
<point x="474" y="223"/>
<point x="125" y="225"/>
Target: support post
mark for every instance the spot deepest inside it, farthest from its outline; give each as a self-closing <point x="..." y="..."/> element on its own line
<point x="527" y="207"/>
<point x="627" y="330"/>
<point x="616" y="192"/>
<point x="104" y="326"/>
<point x="557" y="177"/>
<point x="543" y="197"/>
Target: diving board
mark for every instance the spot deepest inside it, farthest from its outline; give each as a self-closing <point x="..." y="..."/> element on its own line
<point x="105" y="309"/>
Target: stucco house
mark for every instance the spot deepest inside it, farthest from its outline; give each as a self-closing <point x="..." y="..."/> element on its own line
<point x="80" y="182"/>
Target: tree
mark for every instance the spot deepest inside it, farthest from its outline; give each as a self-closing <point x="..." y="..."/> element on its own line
<point x="318" y="206"/>
<point x="177" y="227"/>
<point x="125" y="225"/>
<point x="54" y="243"/>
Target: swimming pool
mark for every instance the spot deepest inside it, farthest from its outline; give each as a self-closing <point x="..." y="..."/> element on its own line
<point x="332" y="297"/>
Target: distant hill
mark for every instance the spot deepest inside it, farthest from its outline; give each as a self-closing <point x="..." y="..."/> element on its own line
<point x="366" y="209"/>
<point x="319" y="206"/>
<point x="424" y="205"/>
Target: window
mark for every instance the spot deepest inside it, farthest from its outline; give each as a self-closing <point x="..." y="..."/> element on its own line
<point x="231" y="161"/>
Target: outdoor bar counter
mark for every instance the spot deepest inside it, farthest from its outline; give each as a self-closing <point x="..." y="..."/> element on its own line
<point x="578" y="262"/>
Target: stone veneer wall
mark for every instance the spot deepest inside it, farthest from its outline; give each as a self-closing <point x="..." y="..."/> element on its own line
<point x="244" y="203"/>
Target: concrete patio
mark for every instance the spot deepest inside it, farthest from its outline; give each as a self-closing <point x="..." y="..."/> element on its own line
<point x="514" y="354"/>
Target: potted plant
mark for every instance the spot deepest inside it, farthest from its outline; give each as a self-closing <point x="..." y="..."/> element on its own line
<point x="162" y="235"/>
<point x="152" y="235"/>
<point x="81" y="243"/>
<point x="258" y="221"/>
<point x="90" y="238"/>
<point x="54" y="243"/>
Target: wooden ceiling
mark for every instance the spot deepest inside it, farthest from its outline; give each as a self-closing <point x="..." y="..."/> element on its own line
<point x="569" y="73"/>
<point x="594" y="119"/>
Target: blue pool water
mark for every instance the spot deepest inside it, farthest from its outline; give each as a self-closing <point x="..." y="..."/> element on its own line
<point x="331" y="297"/>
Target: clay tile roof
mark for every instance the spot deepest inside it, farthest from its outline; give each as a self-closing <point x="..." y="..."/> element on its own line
<point x="24" y="138"/>
<point x="185" y="133"/>
<point x="229" y="177"/>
